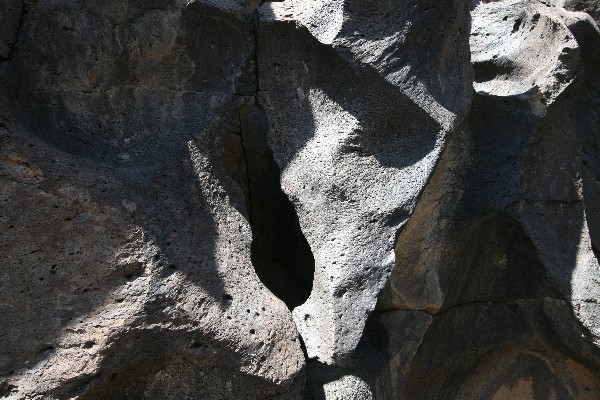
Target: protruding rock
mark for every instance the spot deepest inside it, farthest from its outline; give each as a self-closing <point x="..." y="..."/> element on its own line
<point x="359" y="112"/>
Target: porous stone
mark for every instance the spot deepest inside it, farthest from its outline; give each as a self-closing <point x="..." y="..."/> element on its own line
<point x="359" y="114"/>
<point x="294" y="200"/>
<point x="124" y="240"/>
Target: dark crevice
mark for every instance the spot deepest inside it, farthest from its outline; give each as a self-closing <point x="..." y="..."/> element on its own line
<point x="517" y="25"/>
<point x="280" y="253"/>
<point x="549" y="202"/>
<point x="17" y="35"/>
<point x="244" y="155"/>
<point x="255" y="30"/>
<point x="469" y="304"/>
<point x="492" y="69"/>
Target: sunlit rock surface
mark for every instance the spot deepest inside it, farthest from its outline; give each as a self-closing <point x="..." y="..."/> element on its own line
<point x="227" y="199"/>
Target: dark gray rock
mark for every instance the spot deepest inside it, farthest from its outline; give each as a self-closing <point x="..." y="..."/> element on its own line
<point x="10" y="22"/>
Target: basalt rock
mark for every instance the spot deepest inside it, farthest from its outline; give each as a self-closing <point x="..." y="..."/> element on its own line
<point x="227" y="199"/>
<point x="359" y="114"/>
<point x="126" y="246"/>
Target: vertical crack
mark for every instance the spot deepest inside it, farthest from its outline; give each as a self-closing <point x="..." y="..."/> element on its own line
<point x="255" y="32"/>
<point x="16" y="36"/>
<point x="247" y="193"/>
<point x="280" y="253"/>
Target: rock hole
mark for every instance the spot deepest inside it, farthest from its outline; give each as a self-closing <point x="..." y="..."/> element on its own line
<point x="227" y="297"/>
<point x="6" y="389"/>
<point x="197" y="345"/>
<point x="492" y="69"/>
<point x="280" y="253"/>
<point x="46" y="348"/>
<point x="517" y="25"/>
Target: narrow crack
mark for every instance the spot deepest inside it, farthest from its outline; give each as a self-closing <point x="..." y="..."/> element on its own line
<point x="246" y="169"/>
<point x="549" y="202"/>
<point x="17" y="35"/>
<point x="255" y="32"/>
<point x="280" y="253"/>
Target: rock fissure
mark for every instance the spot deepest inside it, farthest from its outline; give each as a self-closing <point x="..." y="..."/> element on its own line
<point x="543" y="202"/>
<point x="280" y="253"/>
<point x="17" y="34"/>
<point x="248" y="192"/>
<point x="443" y="310"/>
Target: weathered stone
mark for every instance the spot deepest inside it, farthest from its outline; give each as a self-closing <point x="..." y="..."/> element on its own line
<point x="195" y="193"/>
<point x="504" y="224"/>
<point x="353" y="164"/>
<point x="124" y="239"/>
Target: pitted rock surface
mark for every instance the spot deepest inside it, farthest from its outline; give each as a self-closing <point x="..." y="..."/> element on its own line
<point x="245" y="199"/>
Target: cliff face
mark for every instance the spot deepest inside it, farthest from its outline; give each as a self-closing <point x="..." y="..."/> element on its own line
<point x="220" y="199"/>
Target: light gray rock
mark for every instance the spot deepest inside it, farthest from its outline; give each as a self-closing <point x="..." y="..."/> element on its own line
<point x="358" y="114"/>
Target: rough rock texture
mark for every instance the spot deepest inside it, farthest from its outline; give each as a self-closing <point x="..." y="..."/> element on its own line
<point x="124" y="239"/>
<point x="227" y="199"/>
<point x="352" y="164"/>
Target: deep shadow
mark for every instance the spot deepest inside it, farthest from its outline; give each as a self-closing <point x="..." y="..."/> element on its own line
<point x="491" y="69"/>
<point x="129" y="106"/>
<point x="281" y="255"/>
<point x="479" y="351"/>
<point x="497" y="262"/>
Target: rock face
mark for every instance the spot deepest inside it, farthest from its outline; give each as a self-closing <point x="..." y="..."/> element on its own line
<point x="219" y="199"/>
<point x="353" y="165"/>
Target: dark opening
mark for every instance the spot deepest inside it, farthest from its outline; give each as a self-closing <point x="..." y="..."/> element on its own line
<point x="492" y="69"/>
<point x="281" y="255"/>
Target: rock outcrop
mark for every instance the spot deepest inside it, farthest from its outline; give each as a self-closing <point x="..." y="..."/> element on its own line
<point x="227" y="199"/>
<point x="352" y="164"/>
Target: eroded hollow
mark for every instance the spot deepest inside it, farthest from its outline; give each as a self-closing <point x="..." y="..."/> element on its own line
<point x="281" y="255"/>
<point x="489" y="70"/>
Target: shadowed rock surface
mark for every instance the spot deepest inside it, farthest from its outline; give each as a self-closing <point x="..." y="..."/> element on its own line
<point x="231" y="199"/>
